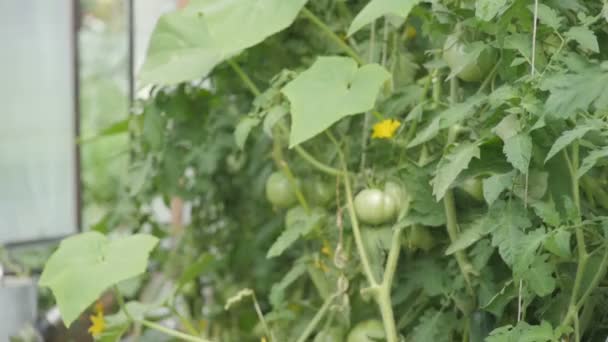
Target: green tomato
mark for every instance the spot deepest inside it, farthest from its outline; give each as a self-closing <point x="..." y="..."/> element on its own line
<point x="474" y="188"/>
<point x="399" y="194"/>
<point x="419" y="237"/>
<point x="454" y="51"/>
<point x="279" y="191"/>
<point x="373" y="206"/>
<point x="334" y="334"/>
<point x="367" y="331"/>
<point x="320" y="192"/>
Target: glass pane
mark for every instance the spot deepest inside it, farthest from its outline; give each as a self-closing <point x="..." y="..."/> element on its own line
<point x="37" y="160"/>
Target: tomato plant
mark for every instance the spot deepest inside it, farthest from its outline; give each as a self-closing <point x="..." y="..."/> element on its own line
<point x="418" y="207"/>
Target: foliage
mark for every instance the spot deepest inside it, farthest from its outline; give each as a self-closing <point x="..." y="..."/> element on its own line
<point x="244" y="90"/>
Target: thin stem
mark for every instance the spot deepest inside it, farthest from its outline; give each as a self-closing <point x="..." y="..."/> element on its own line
<point x="261" y="318"/>
<point x="367" y="115"/>
<point x="316" y="319"/>
<point x="596" y="280"/>
<point x="452" y="228"/>
<point x="367" y="270"/>
<point x="332" y="35"/>
<point x="171" y="332"/>
<point x="393" y="258"/>
<point x="245" y="78"/>
<point x="317" y="164"/>
<point x="534" y="28"/>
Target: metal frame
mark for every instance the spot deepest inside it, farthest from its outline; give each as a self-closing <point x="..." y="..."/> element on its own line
<point x="76" y="15"/>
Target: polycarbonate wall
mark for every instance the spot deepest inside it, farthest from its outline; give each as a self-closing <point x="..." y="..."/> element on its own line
<point x="37" y="159"/>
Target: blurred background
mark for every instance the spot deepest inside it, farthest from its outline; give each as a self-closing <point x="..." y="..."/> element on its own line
<point x="68" y="70"/>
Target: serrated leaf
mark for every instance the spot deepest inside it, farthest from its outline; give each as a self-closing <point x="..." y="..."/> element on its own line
<point x="567" y="138"/>
<point x="558" y="243"/>
<point x="590" y="160"/>
<point x="524" y="332"/>
<point x="451" y="165"/>
<point x="188" y="43"/>
<point x="428" y="275"/>
<point x="427" y="133"/>
<point x="538" y="183"/>
<point x="494" y="185"/>
<point x="467" y="237"/>
<point x="585" y="37"/>
<point x="518" y="150"/>
<point x="434" y="326"/>
<point x="243" y="128"/>
<point x="332" y="88"/>
<point x="487" y="9"/>
<point x="508" y="127"/>
<point x="547" y="16"/>
<point x="509" y="235"/>
<point x="377" y="8"/>
<point x="298" y="223"/>
<point x="576" y="91"/>
<point x="547" y="212"/>
<point x="458" y="112"/>
<point x="539" y="276"/>
<point x="87" y="264"/>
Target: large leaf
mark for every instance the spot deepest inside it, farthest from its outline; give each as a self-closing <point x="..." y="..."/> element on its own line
<point x="584" y="37"/>
<point x="188" y="43"/>
<point x="494" y="185"/>
<point x="87" y="264"/>
<point x="298" y="223"/>
<point x="332" y="88"/>
<point x="488" y="9"/>
<point x="450" y="167"/>
<point x="377" y="8"/>
<point x="576" y="91"/>
<point x="518" y="150"/>
<point x="568" y="137"/>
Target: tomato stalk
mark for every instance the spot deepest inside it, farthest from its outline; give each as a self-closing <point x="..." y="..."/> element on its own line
<point x="380" y="291"/>
<point x="450" y="208"/>
<point x="316" y="319"/>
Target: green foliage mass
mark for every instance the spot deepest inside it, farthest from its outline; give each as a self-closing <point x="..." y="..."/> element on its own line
<point x="242" y="89"/>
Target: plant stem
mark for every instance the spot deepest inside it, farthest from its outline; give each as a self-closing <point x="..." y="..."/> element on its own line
<point x="393" y="258"/>
<point x="596" y="280"/>
<point x="171" y="332"/>
<point x="353" y="219"/>
<point x="316" y="319"/>
<point x="367" y="115"/>
<point x="452" y="228"/>
<point x="332" y="35"/>
<point x="383" y="298"/>
<point x="245" y="78"/>
<point x="450" y="207"/>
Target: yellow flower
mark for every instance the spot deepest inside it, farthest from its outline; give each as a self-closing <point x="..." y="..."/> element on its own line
<point x="98" y="324"/>
<point x="385" y="129"/>
<point x="326" y="249"/>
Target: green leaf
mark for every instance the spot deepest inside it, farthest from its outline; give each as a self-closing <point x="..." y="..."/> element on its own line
<point x="576" y="91"/>
<point x="273" y="116"/>
<point x="434" y="326"/>
<point x="87" y="264"/>
<point x="508" y="127"/>
<point x="467" y="237"/>
<point x="518" y="150"/>
<point x="558" y="243"/>
<point x="487" y="9"/>
<point x="494" y="185"/>
<point x="523" y="332"/>
<point x="567" y="138"/>
<point x="590" y="160"/>
<point x="277" y="292"/>
<point x="188" y="43"/>
<point x="243" y="128"/>
<point x="377" y="8"/>
<point x="427" y="133"/>
<point x="536" y="270"/>
<point x="451" y="165"/>
<point x="332" y="88"/>
<point x="194" y="270"/>
<point x="298" y="223"/>
<point x="458" y="112"/>
<point x="547" y="212"/>
<point x="547" y="16"/>
<point x="585" y="37"/>
<point x="509" y="235"/>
